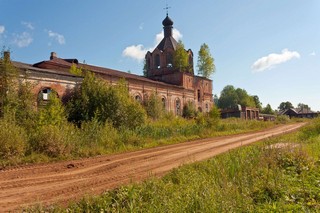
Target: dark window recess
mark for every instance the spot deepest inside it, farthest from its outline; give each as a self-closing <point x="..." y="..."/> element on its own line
<point x="157" y="60"/>
<point x="45" y="94"/>
<point x="163" y="102"/>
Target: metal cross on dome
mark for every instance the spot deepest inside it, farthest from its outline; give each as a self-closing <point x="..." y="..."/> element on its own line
<point x="167" y="7"/>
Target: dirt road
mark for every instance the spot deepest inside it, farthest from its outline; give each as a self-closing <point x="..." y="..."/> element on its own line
<point x="65" y="181"/>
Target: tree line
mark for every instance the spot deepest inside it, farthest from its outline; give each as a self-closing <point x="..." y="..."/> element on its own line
<point x="231" y="97"/>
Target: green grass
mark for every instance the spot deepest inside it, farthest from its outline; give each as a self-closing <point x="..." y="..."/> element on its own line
<point x="255" y="178"/>
<point x="65" y="141"/>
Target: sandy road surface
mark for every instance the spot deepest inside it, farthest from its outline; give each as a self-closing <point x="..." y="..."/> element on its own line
<point x="65" y="181"/>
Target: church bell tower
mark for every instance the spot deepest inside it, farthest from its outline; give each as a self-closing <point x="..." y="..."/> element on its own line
<point x="159" y="62"/>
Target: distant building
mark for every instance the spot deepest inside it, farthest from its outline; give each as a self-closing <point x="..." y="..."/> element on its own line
<point x="247" y="113"/>
<point x="299" y="113"/>
<point x="175" y="87"/>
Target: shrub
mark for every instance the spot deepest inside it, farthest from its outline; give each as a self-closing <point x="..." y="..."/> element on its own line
<point x="53" y="113"/>
<point x="12" y="140"/>
<point x="98" y="137"/>
<point x="96" y="99"/>
<point x="154" y="106"/>
<point x="282" y="119"/>
<point x="54" y="141"/>
<point x="189" y="110"/>
<point x="310" y="131"/>
<point x="213" y="117"/>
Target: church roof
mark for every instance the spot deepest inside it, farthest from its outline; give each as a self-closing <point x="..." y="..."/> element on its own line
<point x="60" y="66"/>
<point x="166" y="43"/>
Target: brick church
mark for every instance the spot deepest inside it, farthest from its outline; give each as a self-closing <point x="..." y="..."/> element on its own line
<point x="175" y="88"/>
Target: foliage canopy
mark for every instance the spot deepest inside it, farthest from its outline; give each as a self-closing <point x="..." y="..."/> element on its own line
<point x="285" y="105"/>
<point x="96" y="99"/>
<point x="231" y="97"/>
<point x="205" y="64"/>
<point x="181" y="58"/>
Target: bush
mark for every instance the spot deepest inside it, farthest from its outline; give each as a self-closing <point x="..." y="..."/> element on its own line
<point x="282" y="119"/>
<point x="213" y="117"/>
<point x="310" y="131"/>
<point x="154" y="106"/>
<point x="54" y="141"/>
<point x="12" y="140"/>
<point x="53" y="113"/>
<point x="189" y="110"/>
<point x="98" y="137"/>
<point x="98" y="100"/>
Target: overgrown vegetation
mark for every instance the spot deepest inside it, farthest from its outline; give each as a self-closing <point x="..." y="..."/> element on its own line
<point x="102" y="119"/>
<point x="277" y="175"/>
<point x="98" y="119"/>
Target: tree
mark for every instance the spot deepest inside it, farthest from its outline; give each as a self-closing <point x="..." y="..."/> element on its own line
<point x="75" y="70"/>
<point x="189" y="110"/>
<point x="228" y="97"/>
<point x="145" y="74"/>
<point x="267" y="110"/>
<point x="154" y="106"/>
<point x="244" y="99"/>
<point x="205" y="64"/>
<point x="16" y="98"/>
<point x="285" y="105"/>
<point x="181" y="58"/>
<point x="231" y="97"/>
<point x="95" y="99"/>
<point x="303" y="106"/>
<point x="257" y="102"/>
<point x="8" y="83"/>
<point x="53" y="113"/>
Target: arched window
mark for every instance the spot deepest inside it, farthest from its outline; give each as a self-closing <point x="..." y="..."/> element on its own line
<point x="163" y="100"/>
<point x="157" y="61"/>
<point x="199" y="95"/>
<point x="169" y="60"/>
<point x="178" y="106"/>
<point x="199" y="109"/>
<point x="207" y="107"/>
<point x="138" y="98"/>
<point x="44" y="94"/>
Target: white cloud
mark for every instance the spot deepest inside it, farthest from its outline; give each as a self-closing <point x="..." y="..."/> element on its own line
<point x="22" y="40"/>
<point x="176" y="34"/>
<point x="313" y="53"/>
<point x="58" y="37"/>
<point x="138" y="52"/>
<point x="269" y="61"/>
<point x="28" y="25"/>
<point x="135" y="51"/>
<point x="2" y="29"/>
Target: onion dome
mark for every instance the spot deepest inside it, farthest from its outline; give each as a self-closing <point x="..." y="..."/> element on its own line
<point x="167" y="22"/>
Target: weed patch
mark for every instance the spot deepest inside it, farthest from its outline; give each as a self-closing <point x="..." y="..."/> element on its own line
<point x="263" y="177"/>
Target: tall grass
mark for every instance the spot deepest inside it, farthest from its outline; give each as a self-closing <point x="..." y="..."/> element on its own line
<point x="53" y="142"/>
<point x="12" y="140"/>
<point x="276" y="175"/>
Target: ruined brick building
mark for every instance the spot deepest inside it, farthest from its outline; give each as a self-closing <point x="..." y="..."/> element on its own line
<point x="175" y="88"/>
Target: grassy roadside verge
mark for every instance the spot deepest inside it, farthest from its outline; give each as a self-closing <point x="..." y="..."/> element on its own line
<point x="54" y="143"/>
<point x="276" y="175"/>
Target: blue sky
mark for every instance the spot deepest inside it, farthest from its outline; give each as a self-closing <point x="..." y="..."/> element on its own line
<point x="270" y="48"/>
